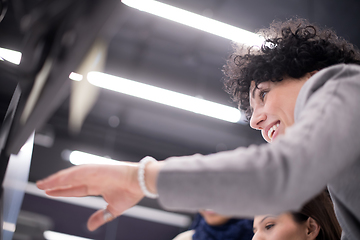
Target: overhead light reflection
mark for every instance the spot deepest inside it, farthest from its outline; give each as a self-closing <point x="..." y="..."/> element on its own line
<point x="51" y="235"/>
<point x="164" y="96"/>
<point x="80" y="158"/>
<point x="75" y="76"/>
<point x="10" y="55"/>
<point x="196" y="21"/>
<point x="9" y="226"/>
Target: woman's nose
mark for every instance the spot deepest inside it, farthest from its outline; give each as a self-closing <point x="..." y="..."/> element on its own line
<point x="257" y="119"/>
<point x="257" y="236"/>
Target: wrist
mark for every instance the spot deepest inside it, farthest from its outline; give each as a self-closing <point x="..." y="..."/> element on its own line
<point x="147" y="176"/>
<point x="152" y="170"/>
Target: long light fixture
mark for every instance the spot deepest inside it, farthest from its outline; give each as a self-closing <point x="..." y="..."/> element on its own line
<point x="137" y="212"/>
<point x="10" y="55"/>
<point x="51" y="235"/>
<point x="11" y="227"/>
<point x="196" y="21"/>
<point x="79" y="158"/>
<point x="163" y="96"/>
<point x="76" y="76"/>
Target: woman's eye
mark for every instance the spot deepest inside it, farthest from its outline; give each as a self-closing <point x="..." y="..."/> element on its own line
<point x="263" y="94"/>
<point x="268" y="226"/>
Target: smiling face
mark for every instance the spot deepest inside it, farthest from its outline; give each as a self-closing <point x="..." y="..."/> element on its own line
<point x="273" y="105"/>
<point x="281" y="227"/>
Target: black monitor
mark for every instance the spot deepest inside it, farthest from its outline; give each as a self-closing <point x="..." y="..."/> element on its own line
<point x="53" y="36"/>
<point x="14" y="172"/>
<point x="13" y="187"/>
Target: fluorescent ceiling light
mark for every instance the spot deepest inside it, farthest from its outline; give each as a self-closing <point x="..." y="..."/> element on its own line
<point x="196" y="21"/>
<point x="79" y="158"/>
<point x="50" y="235"/>
<point x="75" y="76"/>
<point x="9" y="226"/>
<point x="10" y="55"/>
<point x="164" y="96"/>
<point x="139" y="212"/>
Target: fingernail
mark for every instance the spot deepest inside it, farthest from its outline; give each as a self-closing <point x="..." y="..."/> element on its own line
<point x="91" y="229"/>
<point x="39" y="183"/>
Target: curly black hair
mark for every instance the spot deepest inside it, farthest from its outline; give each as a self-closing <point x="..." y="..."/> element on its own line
<point x="291" y="49"/>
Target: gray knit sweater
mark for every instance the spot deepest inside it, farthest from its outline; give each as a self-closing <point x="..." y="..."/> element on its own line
<point x="321" y="149"/>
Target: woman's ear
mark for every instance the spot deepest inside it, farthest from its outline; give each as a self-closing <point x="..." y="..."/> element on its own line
<point x="312" y="228"/>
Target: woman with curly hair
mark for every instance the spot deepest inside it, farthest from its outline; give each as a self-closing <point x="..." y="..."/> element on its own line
<point x="301" y="89"/>
<point x="293" y="49"/>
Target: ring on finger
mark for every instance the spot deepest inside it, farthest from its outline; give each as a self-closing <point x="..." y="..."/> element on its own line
<point x="108" y="216"/>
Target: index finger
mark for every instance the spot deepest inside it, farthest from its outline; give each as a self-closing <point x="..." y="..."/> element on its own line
<point x="62" y="178"/>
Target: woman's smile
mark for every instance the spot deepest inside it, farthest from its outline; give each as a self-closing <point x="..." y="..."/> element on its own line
<point x="272" y="130"/>
<point x="273" y="105"/>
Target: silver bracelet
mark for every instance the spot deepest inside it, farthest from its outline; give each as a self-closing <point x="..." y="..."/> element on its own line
<point x="141" y="176"/>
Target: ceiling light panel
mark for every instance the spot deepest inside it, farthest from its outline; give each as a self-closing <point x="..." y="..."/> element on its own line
<point x="196" y="21"/>
<point x="164" y="96"/>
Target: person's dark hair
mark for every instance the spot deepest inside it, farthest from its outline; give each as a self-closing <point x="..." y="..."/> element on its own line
<point x="321" y="210"/>
<point x="291" y="49"/>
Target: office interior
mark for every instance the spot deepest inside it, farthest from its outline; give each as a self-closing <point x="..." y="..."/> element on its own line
<point x="116" y="40"/>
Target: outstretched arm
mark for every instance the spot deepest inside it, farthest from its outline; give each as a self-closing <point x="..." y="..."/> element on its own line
<point x="117" y="184"/>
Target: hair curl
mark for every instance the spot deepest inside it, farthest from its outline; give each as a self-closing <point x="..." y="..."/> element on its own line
<point x="291" y="49"/>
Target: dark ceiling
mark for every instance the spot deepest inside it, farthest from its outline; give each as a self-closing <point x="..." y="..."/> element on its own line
<point x="166" y="54"/>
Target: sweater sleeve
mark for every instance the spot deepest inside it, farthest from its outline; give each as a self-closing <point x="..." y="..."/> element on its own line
<point x="281" y="176"/>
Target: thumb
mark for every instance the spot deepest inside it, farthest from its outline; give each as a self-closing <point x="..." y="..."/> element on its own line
<point x="99" y="218"/>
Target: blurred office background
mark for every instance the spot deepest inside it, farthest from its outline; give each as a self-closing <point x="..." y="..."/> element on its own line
<point x="149" y="49"/>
